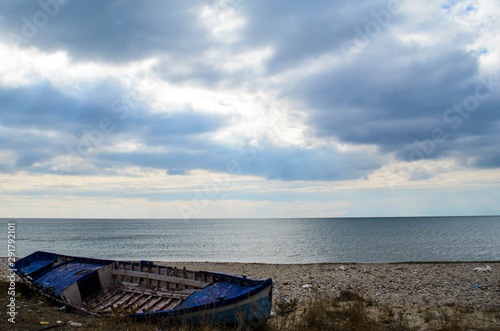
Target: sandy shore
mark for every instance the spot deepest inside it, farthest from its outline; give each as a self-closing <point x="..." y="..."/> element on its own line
<point x="412" y="288"/>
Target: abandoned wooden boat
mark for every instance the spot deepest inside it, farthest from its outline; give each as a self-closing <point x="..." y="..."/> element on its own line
<point x="146" y="290"/>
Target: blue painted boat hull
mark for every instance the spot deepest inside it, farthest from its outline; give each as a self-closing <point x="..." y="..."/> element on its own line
<point x="144" y="290"/>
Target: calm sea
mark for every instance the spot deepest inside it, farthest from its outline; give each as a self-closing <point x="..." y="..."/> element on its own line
<point x="264" y="240"/>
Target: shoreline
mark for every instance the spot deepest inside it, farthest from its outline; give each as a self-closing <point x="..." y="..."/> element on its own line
<point x="315" y="263"/>
<point x="165" y="262"/>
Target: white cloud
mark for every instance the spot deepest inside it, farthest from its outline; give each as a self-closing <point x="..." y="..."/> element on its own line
<point x="223" y="23"/>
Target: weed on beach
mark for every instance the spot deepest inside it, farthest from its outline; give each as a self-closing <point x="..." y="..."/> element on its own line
<point x="345" y="311"/>
<point x="350" y="311"/>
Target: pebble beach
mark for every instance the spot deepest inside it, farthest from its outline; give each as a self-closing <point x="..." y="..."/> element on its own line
<point x="398" y="284"/>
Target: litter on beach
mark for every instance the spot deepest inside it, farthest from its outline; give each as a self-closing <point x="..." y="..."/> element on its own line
<point x="487" y="268"/>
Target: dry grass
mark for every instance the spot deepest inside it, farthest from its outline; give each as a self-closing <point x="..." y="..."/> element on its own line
<point x="347" y="311"/>
<point x="105" y="324"/>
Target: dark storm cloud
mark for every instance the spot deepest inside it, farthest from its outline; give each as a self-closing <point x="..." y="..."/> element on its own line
<point x="39" y="123"/>
<point x="46" y="107"/>
<point x="26" y="148"/>
<point x="299" y="30"/>
<point x="387" y="102"/>
<point x="269" y="162"/>
<point x="398" y="96"/>
<point x="109" y="31"/>
<point x="394" y="95"/>
<point x="323" y="163"/>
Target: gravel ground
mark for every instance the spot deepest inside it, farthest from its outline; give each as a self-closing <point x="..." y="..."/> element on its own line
<point x="397" y="284"/>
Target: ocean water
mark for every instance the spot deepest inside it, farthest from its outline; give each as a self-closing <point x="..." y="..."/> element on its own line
<point x="398" y="239"/>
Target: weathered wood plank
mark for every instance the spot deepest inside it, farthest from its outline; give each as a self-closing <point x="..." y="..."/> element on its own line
<point x="101" y="300"/>
<point x="151" y="304"/>
<point x="169" y="279"/>
<point x="173" y="304"/>
<point x="111" y="301"/>
<point x="159" y="292"/>
<point x="130" y="305"/>
<point x="141" y="303"/>
<point x="163" y="305"/>
<point x="125" y="299"/>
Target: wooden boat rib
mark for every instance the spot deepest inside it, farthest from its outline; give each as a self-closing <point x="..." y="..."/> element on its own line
<point x="146" y="290"/>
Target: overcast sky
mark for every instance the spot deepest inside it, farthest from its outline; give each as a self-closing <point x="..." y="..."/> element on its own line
<point x="249" y="108"/>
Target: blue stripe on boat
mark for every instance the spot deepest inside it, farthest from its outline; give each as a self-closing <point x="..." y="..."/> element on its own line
<point x="214" y="293"/>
